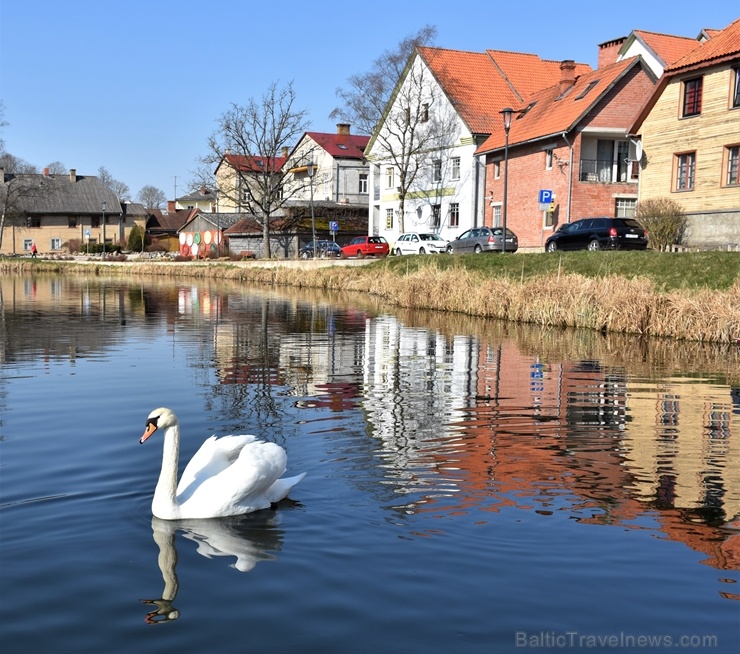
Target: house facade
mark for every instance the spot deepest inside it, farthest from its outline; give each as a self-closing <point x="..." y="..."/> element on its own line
<point x="690" y="138"/>
<point x="570" y="140"/>
<point x="450" y="101"/>
<point x="54" y="210"/>
<point x="239" y="178"/>
<point x="203" y="199"/>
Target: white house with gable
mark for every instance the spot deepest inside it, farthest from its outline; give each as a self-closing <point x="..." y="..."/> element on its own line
<point x="424" y="175"/>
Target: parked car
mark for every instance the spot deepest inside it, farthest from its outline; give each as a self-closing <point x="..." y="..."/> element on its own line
<point x="420" y="243"/>
<point x="485" y="239"/>
<point x="599" y="234"/>
<point x="366" y="246"/>
<point x="324" y="250"/>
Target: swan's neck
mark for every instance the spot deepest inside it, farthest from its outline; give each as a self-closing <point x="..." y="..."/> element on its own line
<point x="164" y="503"/>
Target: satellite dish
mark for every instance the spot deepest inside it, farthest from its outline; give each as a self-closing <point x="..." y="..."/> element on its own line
<point x="638" y="150"/>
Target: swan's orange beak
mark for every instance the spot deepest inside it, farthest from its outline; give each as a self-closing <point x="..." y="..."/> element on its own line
<point x="151" y="427"/>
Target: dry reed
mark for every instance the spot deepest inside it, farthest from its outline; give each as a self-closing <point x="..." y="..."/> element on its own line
<point x="608" y="304"/>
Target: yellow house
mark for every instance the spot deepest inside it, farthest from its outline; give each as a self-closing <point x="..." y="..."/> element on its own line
<point x="55" y="211"/>
<point x="238" y="177"/>
<point x="690" y="138"/>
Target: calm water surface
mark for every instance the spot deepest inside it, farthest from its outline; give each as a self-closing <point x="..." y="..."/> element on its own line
<point x="472" y="487"/>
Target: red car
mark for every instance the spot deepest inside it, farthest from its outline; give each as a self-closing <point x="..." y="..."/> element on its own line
<point x="366" y="246"/>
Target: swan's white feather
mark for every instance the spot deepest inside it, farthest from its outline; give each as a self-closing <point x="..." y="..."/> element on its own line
<point x="227" y="476"/>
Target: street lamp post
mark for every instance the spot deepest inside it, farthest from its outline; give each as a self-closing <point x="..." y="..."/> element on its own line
<point x="103" y="229"/>
<point x="310" y="170"/>
<point x="507" y="114"/>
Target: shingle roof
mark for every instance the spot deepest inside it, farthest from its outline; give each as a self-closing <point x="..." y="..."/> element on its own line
<point x="166" y="221"/>
<point x="479" y="85"/>
<point x="550" y="112"/>
<point x="58" y="194"/>
<point x="341" y="146"/>
<point x="722" y="46"/>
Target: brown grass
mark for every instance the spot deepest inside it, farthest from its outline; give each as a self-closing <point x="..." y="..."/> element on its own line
<point x="608" y="304"/>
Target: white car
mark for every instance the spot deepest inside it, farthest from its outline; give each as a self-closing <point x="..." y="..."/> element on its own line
<point x="420" y="243"/>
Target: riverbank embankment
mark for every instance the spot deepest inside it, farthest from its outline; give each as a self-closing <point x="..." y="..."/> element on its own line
<point x="615" y="293"/>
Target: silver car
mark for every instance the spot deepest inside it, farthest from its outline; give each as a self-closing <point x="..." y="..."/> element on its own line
<point x="420" y="243"/>
<point x="484" y="239"/>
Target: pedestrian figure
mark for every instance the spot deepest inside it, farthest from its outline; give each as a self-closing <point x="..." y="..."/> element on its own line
<point x="33" y="250"/>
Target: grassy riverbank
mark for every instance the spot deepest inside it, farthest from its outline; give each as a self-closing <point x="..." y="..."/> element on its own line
<point x="691" y="296"/>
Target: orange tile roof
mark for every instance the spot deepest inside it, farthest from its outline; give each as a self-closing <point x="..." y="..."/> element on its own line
<point x="479" y="85"/>
<point x="552" y="113"/>
<point x="528" y="73"/>
<point x="722" y="46"/>
<point x="669" y="48"/>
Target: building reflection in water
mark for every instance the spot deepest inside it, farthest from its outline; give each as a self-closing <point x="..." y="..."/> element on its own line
<point x="461" y="414"/>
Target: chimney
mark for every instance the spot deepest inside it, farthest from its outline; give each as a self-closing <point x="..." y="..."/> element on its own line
<point x="171" y="206"/>
<point x="46" y="172"/>
<point x="609" y="51"/>
<point x="343" y="129"/>
<point x="285" y="152"/>
<point x="203" y="190"/>
<point x="567" y="75"/>
<point x="73" y="175"/>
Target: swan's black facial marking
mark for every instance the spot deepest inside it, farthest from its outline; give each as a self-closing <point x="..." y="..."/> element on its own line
<point x="151" y="427"/>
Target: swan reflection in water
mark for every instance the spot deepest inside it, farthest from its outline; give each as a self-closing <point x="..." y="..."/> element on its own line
<point x="250" y="539"/>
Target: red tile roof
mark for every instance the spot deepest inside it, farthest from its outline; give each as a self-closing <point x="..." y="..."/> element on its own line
<point x="341" y="146"/>
<point x="551" y="112"/>
<point x="668" y="47"/>
<point x="721" y="47"/>
<point x="253" y="164"/>
<point x="479" y="85"/>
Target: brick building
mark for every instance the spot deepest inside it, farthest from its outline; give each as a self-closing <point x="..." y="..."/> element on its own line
<point x="571" y="139"/>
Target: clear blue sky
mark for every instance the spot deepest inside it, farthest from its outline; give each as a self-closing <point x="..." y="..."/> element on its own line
<point x="137" y="85"/>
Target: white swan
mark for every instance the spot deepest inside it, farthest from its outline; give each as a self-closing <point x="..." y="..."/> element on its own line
<point x="227" y="476"/>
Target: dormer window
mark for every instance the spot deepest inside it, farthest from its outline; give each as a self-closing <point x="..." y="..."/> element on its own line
<point x="588" y="88"/>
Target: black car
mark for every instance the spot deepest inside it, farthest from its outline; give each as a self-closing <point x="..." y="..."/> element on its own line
<point x="599" y="234"/>
<point x="324" y="250"/>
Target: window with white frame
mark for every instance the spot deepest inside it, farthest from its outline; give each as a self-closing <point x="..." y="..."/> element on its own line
<point x="455" y="167"/>
<point x="363" y="183"/>
<point x="56" y="244"/>
<point x="454" y="214"/>
<point x="436" y="215"/>
<point x="390" y="178"/>
<point x="496" y="170"/>
<point x="27" y="243"/>
<point x="389" y="218"/>
<point x="733" y="160"/>
<point x="548" y="159"/>
<point x="437" y="170"/>
<point x="496" y="215"/>
<point x="736" y="87"/>
<point x="625" y="207"/>
<point x="425" y="112"/>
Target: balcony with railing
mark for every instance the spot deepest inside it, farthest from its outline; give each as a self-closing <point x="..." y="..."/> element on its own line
<point x="608" y="171"/>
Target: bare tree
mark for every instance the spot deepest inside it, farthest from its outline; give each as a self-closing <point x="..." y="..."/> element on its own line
<point x="16" y="190"/>
<point x="367" y="94"/>
<point x="256" y="135"/>
<point x="3" y="123"/>
<point x="56" y="168"/>
<point x="15" y="165"/>
<point x="121" y="189"/>
<point x="151" y="197"/>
